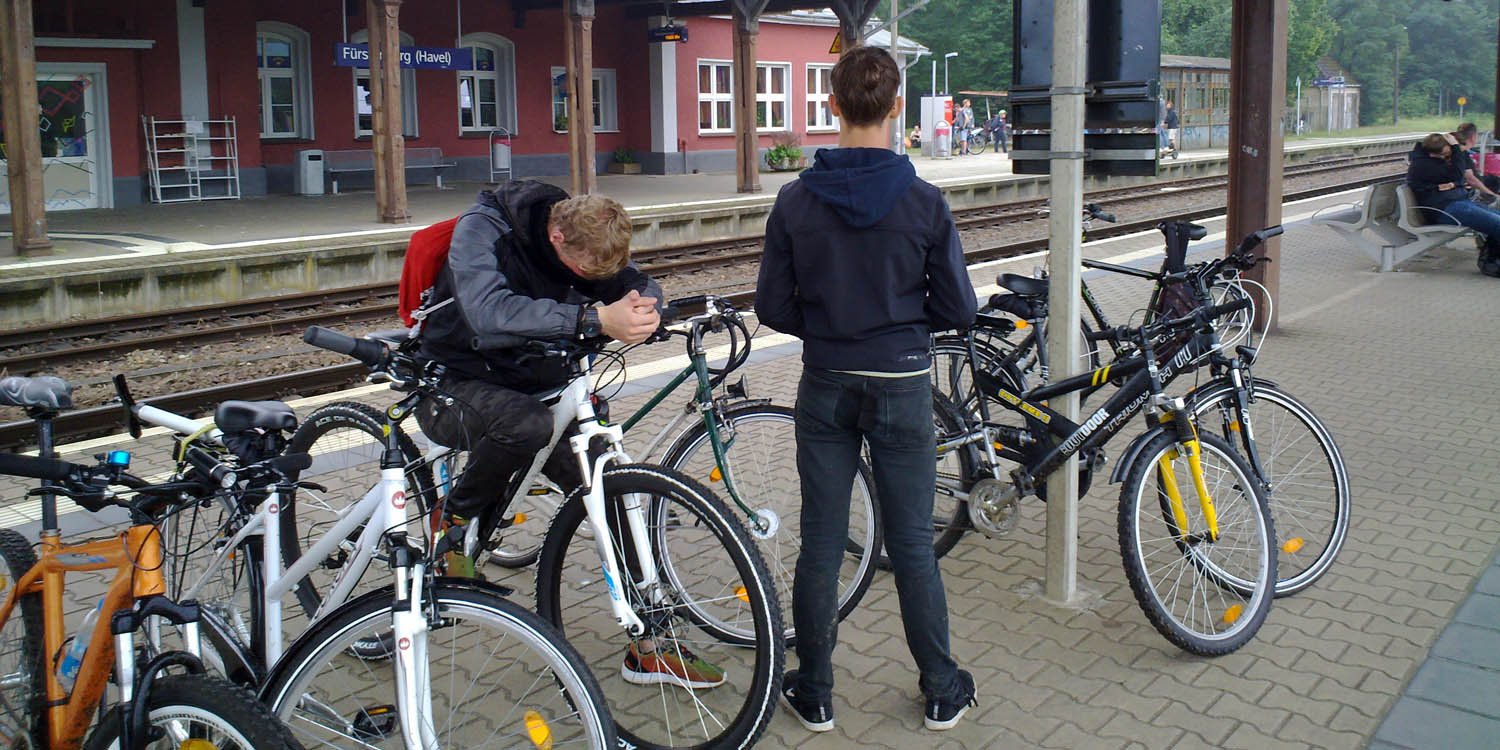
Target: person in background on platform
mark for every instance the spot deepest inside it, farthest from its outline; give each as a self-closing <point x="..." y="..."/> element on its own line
<point x="1170" y="122"/>
<point x="1487" y="186"/>
<point x="916" y="137"/>
<point x="999" y="131"/>
<point x="1437" y="184"/>
<point x="963" y="126"/>
<point x="862" y="262"/>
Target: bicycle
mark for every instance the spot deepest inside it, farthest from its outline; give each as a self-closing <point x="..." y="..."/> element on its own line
<point x="182" y="708"/>
<point x="367" y="668"/>
<point x="1297" y="461"/>
<point x="1219" y="559"/>
<point x="678" y="568"/>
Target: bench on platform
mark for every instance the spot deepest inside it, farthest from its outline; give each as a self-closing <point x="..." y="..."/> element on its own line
<point x="363" y="160"/>
<point x="1390" y="227"/>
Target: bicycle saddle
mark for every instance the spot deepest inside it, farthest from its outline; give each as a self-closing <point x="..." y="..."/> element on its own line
<point x="46" y="391"/>
<point x="238" y="416"/>
<point x="1023" y="285"/>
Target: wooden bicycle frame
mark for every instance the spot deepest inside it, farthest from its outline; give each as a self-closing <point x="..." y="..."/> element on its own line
<point x="136" y="558"/>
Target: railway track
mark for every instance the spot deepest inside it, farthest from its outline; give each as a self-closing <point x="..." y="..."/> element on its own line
<point x="94" y="421"/>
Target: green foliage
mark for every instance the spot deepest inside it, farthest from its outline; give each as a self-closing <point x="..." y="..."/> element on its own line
<point x="981" y="34"/>
<point x="624" y="156"/>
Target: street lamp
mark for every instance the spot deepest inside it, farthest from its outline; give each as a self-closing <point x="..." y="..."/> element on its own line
<point x="946" y="58"/>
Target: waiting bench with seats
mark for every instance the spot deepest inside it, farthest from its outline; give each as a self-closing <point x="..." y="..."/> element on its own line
<point x="363" y="160"/>
<point x="1390" y="227"/>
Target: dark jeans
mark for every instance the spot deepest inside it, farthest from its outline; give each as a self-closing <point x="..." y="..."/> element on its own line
<point x="1474" y="216"/>
<point x="1000" y="142"/>
<point x="503" y="430"/>
<point x="894" y="415"/>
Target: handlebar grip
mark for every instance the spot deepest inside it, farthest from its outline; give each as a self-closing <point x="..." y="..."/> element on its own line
<point x="690" y="303"/>
<point x="670" y="313"/>
<point x="372" y="353"/>
<point x="39" y="468"/>
<point x="1219" y="311"/>
<point x="1104" y="335"/>
<point x="290" y="463"/>
<point x="203" y="461"/>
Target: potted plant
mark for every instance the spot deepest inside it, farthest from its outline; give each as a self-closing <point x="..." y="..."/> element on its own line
<point x="624" y="162"/>
<point x="785" y="153"/>
<point x="560" y="124"/>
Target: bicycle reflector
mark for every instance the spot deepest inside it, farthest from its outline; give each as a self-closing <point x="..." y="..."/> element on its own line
<point x="118" y="459"/>
<point x="538" y="731"/>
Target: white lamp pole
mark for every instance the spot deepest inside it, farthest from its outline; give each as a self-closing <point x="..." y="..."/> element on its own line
<point x="946" y="58"/>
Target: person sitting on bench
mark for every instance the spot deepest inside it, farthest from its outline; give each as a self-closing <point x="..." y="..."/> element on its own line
<point x="1438" y="184"/>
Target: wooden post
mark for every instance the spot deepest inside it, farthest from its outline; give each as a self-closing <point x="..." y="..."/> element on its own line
<point x="578" y="46"/>
<point x="23" y="141"/>
<point x="385" y="101"/>
<point x="1257" y="96"/>
<point x="746" y="139"/>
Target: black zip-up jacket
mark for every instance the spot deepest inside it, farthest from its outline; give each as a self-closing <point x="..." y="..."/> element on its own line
<point x="507" y="279"/>
<point x="1424" y="175"/>
<point x="863" y="263"/>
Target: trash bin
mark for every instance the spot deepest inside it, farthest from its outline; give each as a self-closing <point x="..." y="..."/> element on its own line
<point x="309" y="176"/>
<point x="942" y="140"/>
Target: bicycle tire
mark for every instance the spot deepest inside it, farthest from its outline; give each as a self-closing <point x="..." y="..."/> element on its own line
<point x="763" y="467"/>
<point x="1310" y="493"/>
<point x="22" y="650"/>
<point x="541" y="671"/>
<point x="220" y="714"/>
<point x="1196" y="570"/>
<point x="734" y="624"/>
<point x="345" y="440"/>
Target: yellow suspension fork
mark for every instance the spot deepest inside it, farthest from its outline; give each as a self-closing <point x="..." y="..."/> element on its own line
<point x="1191" y="448"/>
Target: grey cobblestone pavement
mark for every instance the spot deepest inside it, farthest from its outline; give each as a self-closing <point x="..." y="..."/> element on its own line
<point x="1401" y="367"/>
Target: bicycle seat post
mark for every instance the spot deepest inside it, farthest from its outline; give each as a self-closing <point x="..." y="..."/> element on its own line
<point x="44" y="449"/>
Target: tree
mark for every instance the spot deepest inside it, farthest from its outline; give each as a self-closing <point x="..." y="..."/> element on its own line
<point x="980" y="32"/>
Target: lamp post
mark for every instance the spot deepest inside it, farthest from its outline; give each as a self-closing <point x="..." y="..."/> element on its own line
<point x="946" y="58"/>
<point x="1396" y="83"/>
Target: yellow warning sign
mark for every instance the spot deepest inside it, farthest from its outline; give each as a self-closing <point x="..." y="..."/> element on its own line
<point x="1462" y="100"/>
<point x="838" y="40"/>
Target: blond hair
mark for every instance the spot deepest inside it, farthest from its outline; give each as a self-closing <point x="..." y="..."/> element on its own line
<point x="596" y="233"/>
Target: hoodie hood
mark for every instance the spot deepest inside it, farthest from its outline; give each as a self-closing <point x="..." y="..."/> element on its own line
<point x="861" y="185"/>
<point x="526" y="205"/>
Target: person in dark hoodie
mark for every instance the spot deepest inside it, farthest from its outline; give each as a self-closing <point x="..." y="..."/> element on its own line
<point x="1438" y="185"/>
<point x="862" y="262"/>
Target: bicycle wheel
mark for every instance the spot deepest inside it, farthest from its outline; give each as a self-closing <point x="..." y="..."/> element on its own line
<point x="497" y="676"/>
<point x="1304" y="472"/>
<point x="761" y="453"/>
<point x="716" y="601"/>
<point x="1192" y="589"/>
<point x="200" y="711"/>
<point x="345" y="440"/>
<point x="22" y="682"/>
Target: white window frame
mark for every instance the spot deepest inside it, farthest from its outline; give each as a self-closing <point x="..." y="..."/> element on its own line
<point x="825" y="98"/>
<point x="607" y="100"/>
<point x="714" y="96"/>
<point x="300" y="74"/>
<point x="785" y="97"/>
<point x="504" y="76"/>
<point x="409" y="127"/>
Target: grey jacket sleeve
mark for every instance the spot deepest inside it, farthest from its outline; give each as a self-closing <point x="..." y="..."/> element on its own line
<point x="484" y="295"/>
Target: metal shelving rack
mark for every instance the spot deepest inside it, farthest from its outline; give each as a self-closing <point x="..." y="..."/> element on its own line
<point x="192" y="160"/>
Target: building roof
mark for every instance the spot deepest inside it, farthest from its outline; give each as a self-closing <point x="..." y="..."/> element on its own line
<point x="825" y="17"/>
<point x="1194" y="61"/>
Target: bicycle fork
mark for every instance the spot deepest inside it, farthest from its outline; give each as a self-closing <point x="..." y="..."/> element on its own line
<point x="1189" y="447"/>
<point x="413" y="676"/>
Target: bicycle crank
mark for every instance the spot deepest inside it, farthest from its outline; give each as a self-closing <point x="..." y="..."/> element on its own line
<point x="994" y="506"/>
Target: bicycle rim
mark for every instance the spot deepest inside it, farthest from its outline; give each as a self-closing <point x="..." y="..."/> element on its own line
<point x="715" y="592"/>
<point x="499" y="677"/>
<point x="762" y="463"/>
<point x="21" y="651"/>
<point x="1309" y="495"/>
<point x="1206" y="597"/>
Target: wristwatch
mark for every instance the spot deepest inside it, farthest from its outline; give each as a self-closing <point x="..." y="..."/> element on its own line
<point x="588" y="323"/>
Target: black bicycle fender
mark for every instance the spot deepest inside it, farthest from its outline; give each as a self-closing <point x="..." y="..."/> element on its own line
<point x="1131" y="452"/>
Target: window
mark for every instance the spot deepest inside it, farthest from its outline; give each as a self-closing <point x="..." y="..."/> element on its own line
<point x="819" y="116"/>
<point x="487" y="94"/>
<point x="773" y="97"/>
<point x="606" y="109"/>
<point x="283" y="76"/>
<point x="715" y="97"/>
<point x="364" y="113"/>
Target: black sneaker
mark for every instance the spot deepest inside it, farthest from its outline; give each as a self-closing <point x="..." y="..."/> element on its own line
<point x="817" y="716"/>
<point x="945" y="713"/>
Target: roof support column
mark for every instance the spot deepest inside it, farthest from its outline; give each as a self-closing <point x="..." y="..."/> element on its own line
<point x="853" y="15"/>
<point x="23" y="140"/>
<point x="1070" y="23"/>
<point x="1257" y="96"/>
<point x="578" y="44"/>
<point x="385" y="103"/>
<point x="746" y="141"/>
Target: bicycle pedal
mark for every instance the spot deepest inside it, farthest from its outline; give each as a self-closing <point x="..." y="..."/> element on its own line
<point x="374" y="723"/>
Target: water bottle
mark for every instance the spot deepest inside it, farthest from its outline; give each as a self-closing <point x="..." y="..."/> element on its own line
<point x="67" y="668"/>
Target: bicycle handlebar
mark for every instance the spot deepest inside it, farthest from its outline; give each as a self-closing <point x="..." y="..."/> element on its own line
<point x="368" y="351"/>
<point x="32" y="467"/>
<point x="1093" y="212"/>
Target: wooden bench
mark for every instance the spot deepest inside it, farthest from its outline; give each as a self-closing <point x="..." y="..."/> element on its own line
<point x="1389" y="225"/>
<point x="363" y="160"/>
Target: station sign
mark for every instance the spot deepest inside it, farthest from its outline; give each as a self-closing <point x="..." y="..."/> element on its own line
<point x="349" y="55"/>
<point x="667" y="33"/>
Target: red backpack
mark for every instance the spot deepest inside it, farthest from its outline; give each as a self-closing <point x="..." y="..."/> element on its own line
<point x="426" y="253"/>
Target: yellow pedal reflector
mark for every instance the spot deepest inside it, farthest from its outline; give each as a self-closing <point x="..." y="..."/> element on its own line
<point x="1292" y="545"/>
<point x="519" y="519"/>
<point x="1233" y="613"/>
<point x="1022" y="324"/>
<point x="538" y="731"/>
<point x="1234" y="426"/>
<point x="742" y="593"/>
<point x="535" y="491"/>
<point x="197" y="744"/>
<point x="716" y="475"/>
<point x="998" y="446"/>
